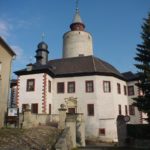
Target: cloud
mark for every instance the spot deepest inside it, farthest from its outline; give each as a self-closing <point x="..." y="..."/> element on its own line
<point x="5" y="28"/>
<point x="18" y="51"/>
<point x="20" y="56"/>
<point x="23" y="24"/>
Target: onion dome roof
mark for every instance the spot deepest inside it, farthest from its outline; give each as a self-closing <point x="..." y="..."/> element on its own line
<point x="42" y="45"/>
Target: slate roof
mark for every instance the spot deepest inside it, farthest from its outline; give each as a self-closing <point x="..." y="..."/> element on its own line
<point x="76" y="66"/>
<point x="77" y="18"/>
<point x="130" y="76"/>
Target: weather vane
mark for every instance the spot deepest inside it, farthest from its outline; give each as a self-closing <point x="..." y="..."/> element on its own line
<point x="77" y="4"/>
<point x="43" y="36"/>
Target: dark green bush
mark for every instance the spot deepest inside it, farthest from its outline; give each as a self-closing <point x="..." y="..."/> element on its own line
<point x="139" y="131"/>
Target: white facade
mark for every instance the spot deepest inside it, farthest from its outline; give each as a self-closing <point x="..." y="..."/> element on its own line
<point x="135" y="118"/>
<point x="105" y="104"/>
<point x="77" y="43"/>
<point x="40" y="95"/>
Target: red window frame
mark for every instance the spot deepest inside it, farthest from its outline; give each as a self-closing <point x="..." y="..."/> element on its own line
<point x="60" y="87"/>
<point x="106" y="86"/>
<point x="126" y="110"/>
<point x="34" y="108"/>
<point x="50" y="109"/>
<point x="102" y="131"/>
<point x="24" y="107"/>
<point x="131" y="90"/>
<point x="119" y="110"/>
<point x="125" y="90"/>
<point x="49" y="86"/>
<point x="131" y="110"/>
<point x="30" y="88"/>
<point x="71" y="110"/>
<point x="71" y="87"/>
<point x="89" y="86"/>
<point x="118" y="88"/>
<point x="90" y="109"/>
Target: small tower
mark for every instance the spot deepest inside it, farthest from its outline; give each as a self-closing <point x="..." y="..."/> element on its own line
<point x="77" y="42"/>
<point x="42" y="53"/>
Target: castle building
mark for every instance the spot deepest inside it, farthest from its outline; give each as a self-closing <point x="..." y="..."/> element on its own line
<point x="84" y="83"/>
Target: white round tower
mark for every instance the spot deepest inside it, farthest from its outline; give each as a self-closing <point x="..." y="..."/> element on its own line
<point x="77" y="42"/>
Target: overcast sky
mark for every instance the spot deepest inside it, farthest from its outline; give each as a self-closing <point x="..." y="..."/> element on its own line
<point x="114" y="24"/>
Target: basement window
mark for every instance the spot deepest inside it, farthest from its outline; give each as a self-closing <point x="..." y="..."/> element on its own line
<point x="102" y="131"/>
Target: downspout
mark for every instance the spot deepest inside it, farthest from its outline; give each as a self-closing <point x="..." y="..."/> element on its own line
<point x="8" y="97"/>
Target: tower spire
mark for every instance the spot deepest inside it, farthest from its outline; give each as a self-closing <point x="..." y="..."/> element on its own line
<point x="77" y="23"/>
<point x="43" y="36"/>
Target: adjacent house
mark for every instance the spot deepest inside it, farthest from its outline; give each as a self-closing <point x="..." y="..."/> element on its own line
<point x="6" y="57"/>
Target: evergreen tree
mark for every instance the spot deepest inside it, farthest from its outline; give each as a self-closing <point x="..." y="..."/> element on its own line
<point x="142" y="102"/>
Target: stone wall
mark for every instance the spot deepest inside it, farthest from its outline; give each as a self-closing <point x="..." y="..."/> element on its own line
<point x="28" y="119"/>
<point x="65" y="140"/>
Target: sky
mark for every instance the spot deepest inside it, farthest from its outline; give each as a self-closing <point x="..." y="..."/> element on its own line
<point x="114" y="24"/>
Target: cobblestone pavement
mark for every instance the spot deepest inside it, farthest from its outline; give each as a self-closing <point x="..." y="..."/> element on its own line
<point x="39" y="138"/>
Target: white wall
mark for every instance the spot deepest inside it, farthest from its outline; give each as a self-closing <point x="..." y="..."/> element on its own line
<point x="105" y="104"/>
<point x="30" y="97"/>
<point x="76" y="43"/>
<point x="134" y="119"/>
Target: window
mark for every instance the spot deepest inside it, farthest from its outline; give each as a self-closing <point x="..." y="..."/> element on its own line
<point x="60" y="87"/>
<point x="106" y="86"/>
<point x="130" y="90"/>
<point x="102" y="131"/>
<point x="30" y="84"/>
<point x="118" y="88"/>
<point x="119" y="109"/>
<point x="125" y="90"/>
<point x="131" y="110"/>
<point x="90" y="109"/>
<point x="49" y="86"/>
<point x="50" y="109"/>
<point x="71" y="110"/>
<point x="126" y="110"/>
<point x="34" y="108"/>
<point x="71" y="87"/>
<point x="24" y="107"/>
<point x="89" y="86"/>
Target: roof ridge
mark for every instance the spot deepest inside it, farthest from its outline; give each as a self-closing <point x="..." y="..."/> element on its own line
<point x="94" y="65"/>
